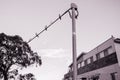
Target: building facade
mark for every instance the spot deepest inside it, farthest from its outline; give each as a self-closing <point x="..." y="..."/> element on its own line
<point x="101" y="63"/>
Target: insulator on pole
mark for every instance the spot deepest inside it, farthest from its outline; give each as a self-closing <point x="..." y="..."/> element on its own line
<point x="36" y="35"/>
<point x="46" y="27"/>
<point x="59" y="16"/>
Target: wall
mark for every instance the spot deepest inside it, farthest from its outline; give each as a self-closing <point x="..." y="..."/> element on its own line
<point x="100" y="48"/>
<point x="117" y="47"/>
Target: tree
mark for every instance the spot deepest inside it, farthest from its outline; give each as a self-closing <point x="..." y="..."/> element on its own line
<point x="28" y="76"/>
<point x="15" y="51"/>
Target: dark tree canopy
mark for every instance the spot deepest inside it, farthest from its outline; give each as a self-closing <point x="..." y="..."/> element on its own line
<point x="15" y="51"/>
<point x="28" y="76"/>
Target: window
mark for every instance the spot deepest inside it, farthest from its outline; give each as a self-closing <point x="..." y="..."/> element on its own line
<point x="101" y="54"/>
<point x="114" y="76"/>
<point x="84" y="78"/>
<point x="110" y="50"/>
<point x="82" y="64"/>
<point x="98" y="56"/>
<point x="71" y="68"/>
<point x="86" y="62"/>
<point x="105" y="52"/>
<point x="91" y="59"/>
<point x="78" y="65"/>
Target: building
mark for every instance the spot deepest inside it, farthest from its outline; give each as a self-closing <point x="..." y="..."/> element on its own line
<point x="101" y="63"/>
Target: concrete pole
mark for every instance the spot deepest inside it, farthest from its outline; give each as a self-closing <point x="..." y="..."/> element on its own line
<point x="74" y="7"/>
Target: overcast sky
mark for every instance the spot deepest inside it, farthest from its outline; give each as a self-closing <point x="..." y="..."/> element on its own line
<point x="97" y="21"/>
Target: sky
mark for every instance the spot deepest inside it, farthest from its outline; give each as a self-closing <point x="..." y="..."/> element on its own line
<point x="98" y="20"/>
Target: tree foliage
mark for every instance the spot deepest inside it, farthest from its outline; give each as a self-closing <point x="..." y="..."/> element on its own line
<point x="28" y="76"/>
<point x="15" y="51"/>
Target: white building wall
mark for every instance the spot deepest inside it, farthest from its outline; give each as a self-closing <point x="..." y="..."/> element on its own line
<point x="101" y="47"/>
<point x="106" y="44"/>
<point x="117" y="47"/>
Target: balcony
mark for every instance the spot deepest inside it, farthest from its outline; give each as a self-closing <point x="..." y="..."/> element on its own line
<point x="102" y="62"/>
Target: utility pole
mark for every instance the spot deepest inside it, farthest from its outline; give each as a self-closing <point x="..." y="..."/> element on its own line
<point x="74" y="51"/>
<point x="73" y="16"/>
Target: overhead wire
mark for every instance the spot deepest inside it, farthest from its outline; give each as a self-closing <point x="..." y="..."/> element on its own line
<point x="46" y="27"/>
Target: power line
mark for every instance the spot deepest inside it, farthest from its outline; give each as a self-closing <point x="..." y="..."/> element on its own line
<point x="73" y="16"/>
<point x="46" y="27"/>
